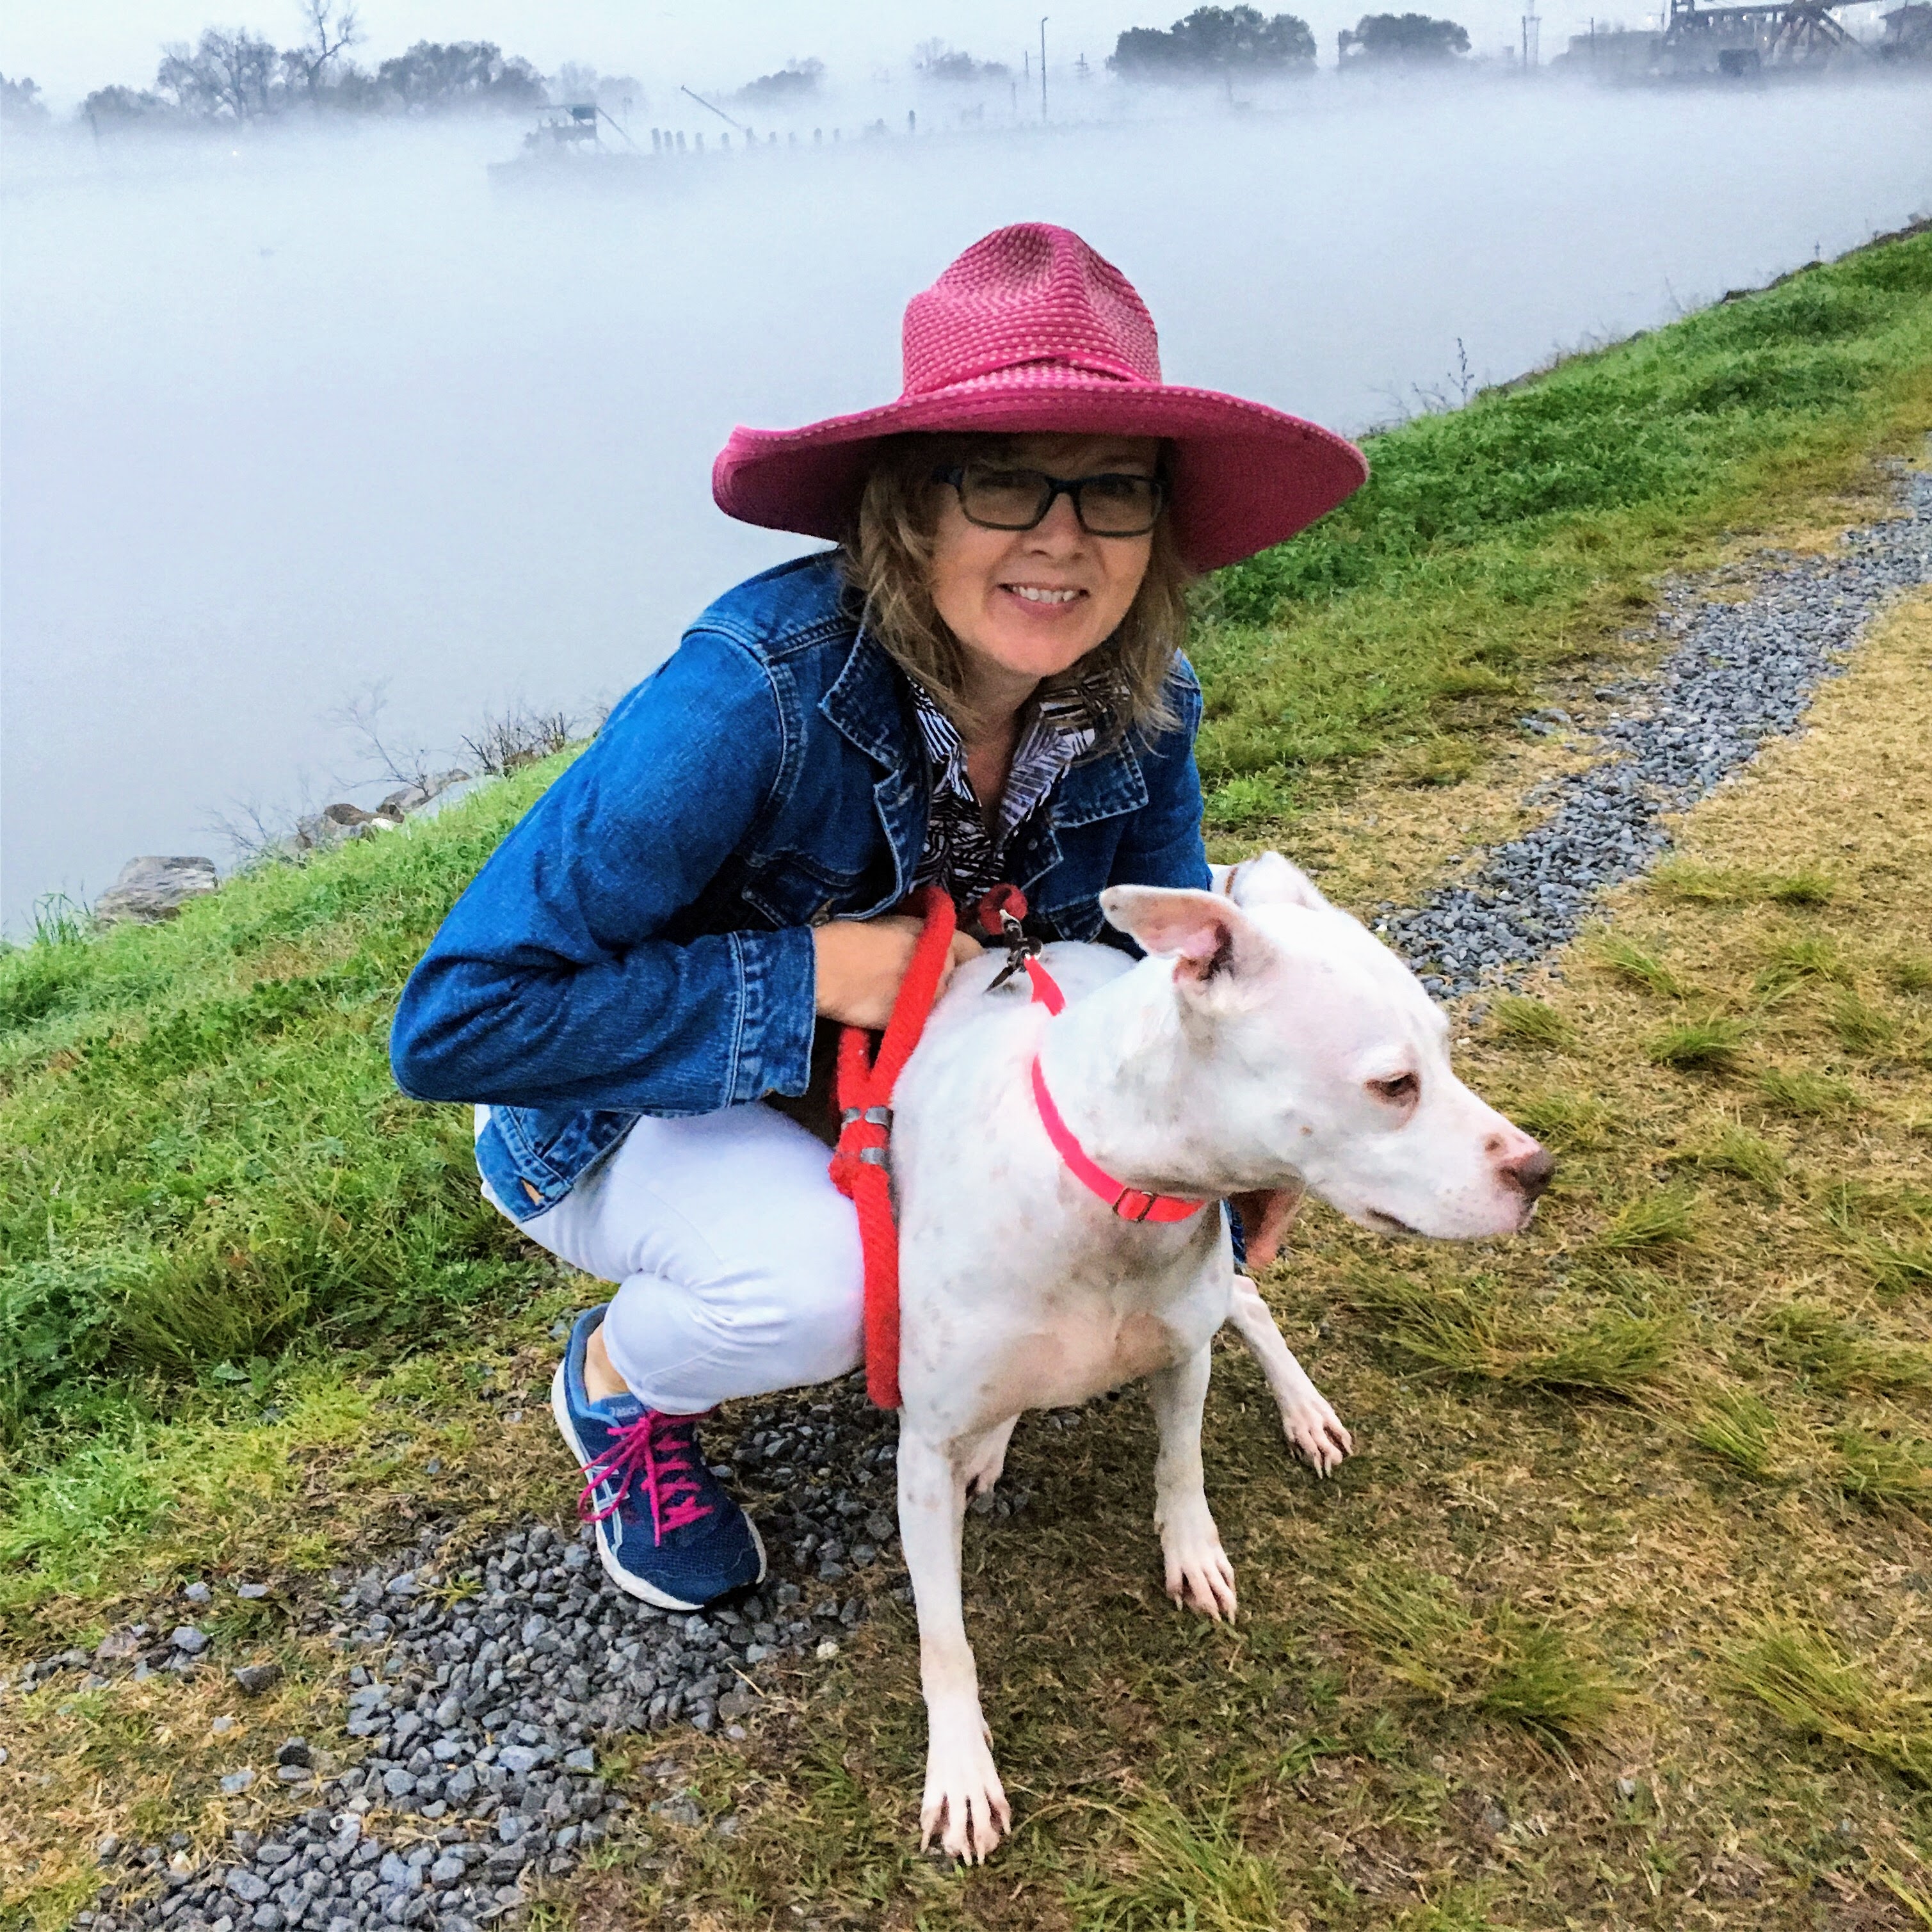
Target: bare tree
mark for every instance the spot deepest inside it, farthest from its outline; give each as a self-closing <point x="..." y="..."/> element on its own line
<point x="331" y="26"/>
<point x="362" y="716"/>
<point x="226" y="75"/>
<point x="519" y="736"/>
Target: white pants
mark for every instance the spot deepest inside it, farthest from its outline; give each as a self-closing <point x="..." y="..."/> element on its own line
<point x="736" y="1261"/>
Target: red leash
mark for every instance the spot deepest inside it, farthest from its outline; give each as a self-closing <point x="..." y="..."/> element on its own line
<point x="865" y="1086"/>
<point x="866" y="1083"/>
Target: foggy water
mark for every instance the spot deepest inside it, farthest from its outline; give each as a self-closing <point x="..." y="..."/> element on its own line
<point x="285" y="418"/>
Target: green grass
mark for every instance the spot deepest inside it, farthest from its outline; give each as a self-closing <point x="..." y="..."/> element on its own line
<point x="1684" y="879"/>
<point x="1497" y="1663"/>
<point x="1629" y="962"/>
<point x="1570" y="1122"/>
<point x="1791" y="961"/>
<point x="1836" y="1354"/>
<point x="1735" y="1425"/>
<point x="1750" y="1156"/>
<point x="1181" y="1872"/>
<point x="1862" y="1028"/>
<point x="207" y="1160"/>
<point x="1526" y="1022"/>
<point x="1491" y="540"/>
<point x="1468" y="1328"/>
<point x="1796" y="1091"/>
<point x="1803" y="1677"/>
<point x="1713" y="1045"/>
<point x="1886" y="1467"/>
<point x="1909" y="973"/>
<point x="1662" y="1219"/>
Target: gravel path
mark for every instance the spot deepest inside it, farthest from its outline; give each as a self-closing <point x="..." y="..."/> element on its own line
<point x="1740" y="674"/>
<point x="475" y="1720"/>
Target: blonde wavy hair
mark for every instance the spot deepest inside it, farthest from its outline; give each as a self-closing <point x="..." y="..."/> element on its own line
<point x="888" y="560"/>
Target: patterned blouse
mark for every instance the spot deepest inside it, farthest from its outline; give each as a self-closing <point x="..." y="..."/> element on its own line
<point x="961" y="853"/>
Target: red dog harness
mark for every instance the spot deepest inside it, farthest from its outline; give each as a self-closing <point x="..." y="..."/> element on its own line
<point x="866" y="1084"/>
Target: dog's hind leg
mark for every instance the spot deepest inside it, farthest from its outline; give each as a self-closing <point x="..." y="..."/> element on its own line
<point x="1312" y="1426"/>
<point x="963" y="1801"/>
<point x="1198" y="1569"/>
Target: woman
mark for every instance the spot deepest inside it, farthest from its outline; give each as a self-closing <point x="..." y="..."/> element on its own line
<point x="982" y="683"/>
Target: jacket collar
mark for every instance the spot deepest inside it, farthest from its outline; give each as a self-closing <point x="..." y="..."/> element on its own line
<point x="869" y="705"/>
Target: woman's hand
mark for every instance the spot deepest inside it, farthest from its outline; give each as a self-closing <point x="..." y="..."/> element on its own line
<point x="861" y="963"/>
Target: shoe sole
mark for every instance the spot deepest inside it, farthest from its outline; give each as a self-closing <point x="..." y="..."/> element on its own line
<point x="632" y="1586"/>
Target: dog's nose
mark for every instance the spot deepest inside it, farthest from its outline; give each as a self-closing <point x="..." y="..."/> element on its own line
<point x="1529" y="1173"/>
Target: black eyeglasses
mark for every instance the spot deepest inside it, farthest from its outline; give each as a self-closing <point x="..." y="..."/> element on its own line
<point x="1107" y="505"/>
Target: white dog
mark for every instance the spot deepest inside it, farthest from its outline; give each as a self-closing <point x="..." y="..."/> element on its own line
<point x="1269" y="1043"/>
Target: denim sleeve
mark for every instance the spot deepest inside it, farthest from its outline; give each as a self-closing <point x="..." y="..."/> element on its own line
<point x="548" y="986"/>
<point x="1161" y="845"/>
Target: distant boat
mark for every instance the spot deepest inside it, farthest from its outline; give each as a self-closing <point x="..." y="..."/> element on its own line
<point x="566" y="146"/>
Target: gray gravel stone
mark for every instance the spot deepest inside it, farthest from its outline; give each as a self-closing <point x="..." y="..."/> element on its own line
<point x="1742" y="673"/>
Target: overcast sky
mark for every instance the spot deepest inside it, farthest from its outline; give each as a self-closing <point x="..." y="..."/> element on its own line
<point x="70" y="46"/>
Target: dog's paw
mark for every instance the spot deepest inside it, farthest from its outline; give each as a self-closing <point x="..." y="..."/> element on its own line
<point x="1316" y="1431"/>
<point x="1198" y="1572"/>
<point x="963" y="1805"/>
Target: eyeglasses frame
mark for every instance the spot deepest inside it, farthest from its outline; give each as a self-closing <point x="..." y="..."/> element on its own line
<point x="1056" y="487"/>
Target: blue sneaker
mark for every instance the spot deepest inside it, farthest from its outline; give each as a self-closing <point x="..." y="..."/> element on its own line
<point x="667" y="1532"/>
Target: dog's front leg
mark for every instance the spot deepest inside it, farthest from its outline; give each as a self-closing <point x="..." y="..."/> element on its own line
<point x="1311" y="1425"/>
<point x="1198" y="1572"/>
<point x="963" y="1802"/>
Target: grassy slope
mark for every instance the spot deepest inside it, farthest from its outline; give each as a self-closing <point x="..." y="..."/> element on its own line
<point x="212" y="1198"/>
<point x="1495" y="542"/>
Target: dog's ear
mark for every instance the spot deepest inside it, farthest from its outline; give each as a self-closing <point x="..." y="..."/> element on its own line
<point x="1268" y="879"/>
<point x="1212" y="942"/>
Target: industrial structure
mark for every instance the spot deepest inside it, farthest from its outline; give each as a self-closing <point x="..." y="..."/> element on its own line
<point x="1755" y="40"/>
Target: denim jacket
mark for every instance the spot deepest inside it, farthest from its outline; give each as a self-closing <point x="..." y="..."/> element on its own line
<point x="641" y="942"/>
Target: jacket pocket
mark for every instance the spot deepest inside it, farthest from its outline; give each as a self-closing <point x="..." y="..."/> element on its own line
<point x="798" y="889"/>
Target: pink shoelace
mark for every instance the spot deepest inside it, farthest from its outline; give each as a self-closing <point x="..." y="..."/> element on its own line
<point x="657" y="1451"/>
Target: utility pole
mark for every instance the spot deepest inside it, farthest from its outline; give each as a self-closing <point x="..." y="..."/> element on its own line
<point x="1043" y="19"/>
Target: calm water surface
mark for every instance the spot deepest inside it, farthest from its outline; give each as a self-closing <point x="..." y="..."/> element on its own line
<point x="288" y="421"/>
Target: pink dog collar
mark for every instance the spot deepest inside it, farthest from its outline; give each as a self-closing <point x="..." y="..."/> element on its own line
<point x="1131" y="1203"/>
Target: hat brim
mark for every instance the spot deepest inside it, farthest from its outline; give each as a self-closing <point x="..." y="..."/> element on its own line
<point x="1244" y="476"/>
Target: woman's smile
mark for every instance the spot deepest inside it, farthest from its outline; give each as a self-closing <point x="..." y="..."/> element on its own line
<point x="1046" y="600"/>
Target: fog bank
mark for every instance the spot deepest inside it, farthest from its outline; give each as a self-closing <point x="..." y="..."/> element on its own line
<point x="284" y="417"/>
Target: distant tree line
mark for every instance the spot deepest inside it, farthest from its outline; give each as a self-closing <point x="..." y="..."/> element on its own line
<point x="232" y="75"/>
<point x="1215" y="43"/>
<point x="20" y="102"/>
<point x="797" y="80"/>
<point x="933" y="61"/>
<point x="1401" y="40"/>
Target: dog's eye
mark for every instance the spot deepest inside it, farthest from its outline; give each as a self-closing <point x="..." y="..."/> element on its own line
<point x="1398" y="1090"/>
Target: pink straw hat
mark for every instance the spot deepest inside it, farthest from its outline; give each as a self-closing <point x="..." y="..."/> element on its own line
<point x="1030" y="330"/>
